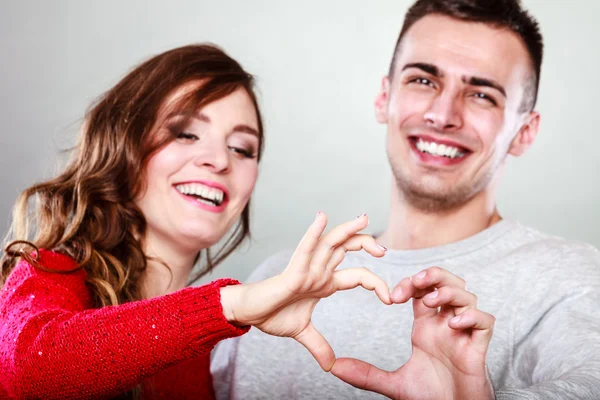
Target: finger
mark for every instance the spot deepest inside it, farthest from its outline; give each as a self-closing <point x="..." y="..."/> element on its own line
<point x="420" y="310"/>
<point x="355" y="243"/>
<point x="316" y="344"/>
<point x="481" y="324"/>
<point x="338" y="235"/>
<point x="353" y="277"/>
<point x="303" y="254"/>
<point x="437" y="277"/>
<point x="451" y="297"/>
<point x="405" y="290"/>
<point x="365" y="376"/>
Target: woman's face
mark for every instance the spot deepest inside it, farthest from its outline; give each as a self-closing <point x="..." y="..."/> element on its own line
<point x="198" y="185"/>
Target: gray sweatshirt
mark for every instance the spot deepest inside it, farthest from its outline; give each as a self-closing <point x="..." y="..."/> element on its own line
<point x="544" y="292"/>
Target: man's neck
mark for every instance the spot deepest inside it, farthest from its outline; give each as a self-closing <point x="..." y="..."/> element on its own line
<point x="410" y="228"/>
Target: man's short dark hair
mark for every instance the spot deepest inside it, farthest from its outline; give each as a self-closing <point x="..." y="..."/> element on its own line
<point x="508" y="14"/>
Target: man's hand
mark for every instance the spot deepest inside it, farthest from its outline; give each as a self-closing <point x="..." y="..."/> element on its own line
<point x="450" y="339"/>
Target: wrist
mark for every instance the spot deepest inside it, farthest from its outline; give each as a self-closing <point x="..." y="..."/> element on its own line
<point x="229" y="299"/>
<point x="483" y="391"/>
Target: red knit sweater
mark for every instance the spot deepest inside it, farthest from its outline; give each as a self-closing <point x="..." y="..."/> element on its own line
<point x="53" y="344"/>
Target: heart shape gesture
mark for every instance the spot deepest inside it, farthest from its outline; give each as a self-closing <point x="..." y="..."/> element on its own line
<point x="450" y="338"/>
<point x="283" y="305"/>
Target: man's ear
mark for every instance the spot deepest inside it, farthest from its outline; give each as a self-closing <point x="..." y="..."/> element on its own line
<point x="526" y="136"/>
<point x="381" y="101"/>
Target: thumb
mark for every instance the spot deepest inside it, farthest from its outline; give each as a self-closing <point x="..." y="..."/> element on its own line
<point x="365" y="376"/>
<point x="316" y="344"/>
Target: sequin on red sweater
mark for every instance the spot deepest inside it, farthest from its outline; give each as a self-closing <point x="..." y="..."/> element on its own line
<point x="53" y="344"/>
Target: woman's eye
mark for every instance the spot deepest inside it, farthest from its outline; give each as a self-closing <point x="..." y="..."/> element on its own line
<point x="187" y="136"/>
<point x="243" y="152"/>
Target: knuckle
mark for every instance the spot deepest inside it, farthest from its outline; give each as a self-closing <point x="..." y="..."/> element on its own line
<point x="326" y="244"/>
<point x="445" y="292"/>
<point x="434" y="271"/>
<point x="472" y="312"/>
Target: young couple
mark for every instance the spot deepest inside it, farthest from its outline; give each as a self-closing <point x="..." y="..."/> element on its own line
<point x="94" y="302"/>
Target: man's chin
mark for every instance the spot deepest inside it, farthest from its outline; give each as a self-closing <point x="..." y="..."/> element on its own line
<point x="436" y="198"/>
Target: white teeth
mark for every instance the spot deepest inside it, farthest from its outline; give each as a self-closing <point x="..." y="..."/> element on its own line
<point x="438" y="149"/>
<point x="204" y="193"/>
<point x="201" y="200"/>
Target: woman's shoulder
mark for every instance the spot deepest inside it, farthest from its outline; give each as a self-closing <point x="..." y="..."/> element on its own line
<point x="49" y="271"/>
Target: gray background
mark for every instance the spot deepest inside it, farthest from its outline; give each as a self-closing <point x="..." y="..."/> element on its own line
<point x="319" y="65"/>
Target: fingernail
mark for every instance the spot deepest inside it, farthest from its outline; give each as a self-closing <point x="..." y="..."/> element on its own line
<point x="361" y="215"/>
<point x="331" y="366"/>
<point x="382" y="247"/>
<point x="319" y="213"/>
<point x="432" y="295"/>
<point x="456" y="319"/>
<point x="421" y="275"/>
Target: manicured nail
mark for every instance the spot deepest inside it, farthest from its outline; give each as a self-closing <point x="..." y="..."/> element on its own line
<point x="456" y="319"/>
<point x="361" y="215"/>
<point x="432" y="295"/>
<point x="382" y="247"/>
<point x="421" y="275"/>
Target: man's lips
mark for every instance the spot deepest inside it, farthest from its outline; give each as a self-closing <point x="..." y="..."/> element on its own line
<point x="438" y="152"/>
<point x="445" y="142"/>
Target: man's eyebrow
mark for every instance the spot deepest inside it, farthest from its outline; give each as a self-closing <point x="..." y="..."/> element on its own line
<point x="477" y="81"/>
<point x="429" y="68"/>
<point x="434" y="70"/>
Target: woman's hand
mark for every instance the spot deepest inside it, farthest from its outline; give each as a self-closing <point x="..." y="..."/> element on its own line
<point x="283" y="305"/>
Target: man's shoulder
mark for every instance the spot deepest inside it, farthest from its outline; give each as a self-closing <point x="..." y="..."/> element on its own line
<point x="550" y="251"/>
<point x="544" y="242"/>
<point x="271" y="266"/>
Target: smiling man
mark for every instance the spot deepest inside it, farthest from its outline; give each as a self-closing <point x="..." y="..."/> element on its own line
<point x="458" y="100"/>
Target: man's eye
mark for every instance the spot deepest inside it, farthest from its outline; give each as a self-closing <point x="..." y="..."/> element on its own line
<point x="423" y="81"/>
<point x="484" y="96"/>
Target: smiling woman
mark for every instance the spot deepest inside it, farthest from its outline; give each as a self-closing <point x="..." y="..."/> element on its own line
<point x="94" y="301"/>
<point x="204" y="177"/>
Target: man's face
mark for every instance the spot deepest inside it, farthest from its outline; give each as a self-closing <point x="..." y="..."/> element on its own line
<point x="453" y="109"/>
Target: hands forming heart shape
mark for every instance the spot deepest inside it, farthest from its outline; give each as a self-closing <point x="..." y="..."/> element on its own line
<point x="450" y="335"/>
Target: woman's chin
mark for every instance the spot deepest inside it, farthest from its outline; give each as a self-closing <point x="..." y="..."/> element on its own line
<point x="201" y="240"/>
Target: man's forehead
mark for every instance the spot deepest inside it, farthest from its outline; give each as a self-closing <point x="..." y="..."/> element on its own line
<point x="464" y="48"/>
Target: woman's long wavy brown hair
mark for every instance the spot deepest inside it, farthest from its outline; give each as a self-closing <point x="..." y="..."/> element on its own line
<point x="88" y="211"/>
